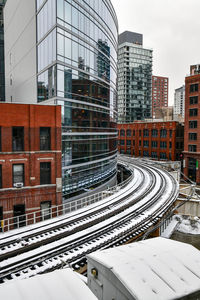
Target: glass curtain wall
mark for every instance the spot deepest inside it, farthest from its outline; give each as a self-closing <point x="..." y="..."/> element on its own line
<point x="134" y="83"/>
<point x="2" y="67"/>
<point x="77" y="69"/>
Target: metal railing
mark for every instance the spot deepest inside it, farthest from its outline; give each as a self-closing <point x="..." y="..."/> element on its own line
<point x="65" y="208"/>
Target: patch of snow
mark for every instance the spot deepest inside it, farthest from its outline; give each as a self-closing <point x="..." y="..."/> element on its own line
<point x="170" y="229"/>
<point x="188" y="224"/>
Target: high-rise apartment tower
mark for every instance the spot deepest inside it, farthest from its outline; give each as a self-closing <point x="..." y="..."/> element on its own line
<point x="2" y="72"/>
<point x="134" y="78"/>
<point x="179" y="101"/>
<point x="159" y="93"/>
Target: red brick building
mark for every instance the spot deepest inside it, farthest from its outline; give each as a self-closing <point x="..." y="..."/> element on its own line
<point x="192" y="125"/>
<point x="30" y="158"/>
<point x="159" y="93"/>
<point x="158" y="140"/>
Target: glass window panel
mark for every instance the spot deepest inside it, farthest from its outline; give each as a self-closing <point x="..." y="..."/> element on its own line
<point x="18" y="174"/>
<point x="45" y="173"/>
<point x="60" y="80"/>
<point x="68" y="13"/>
<point x="74" y="17"/>
<point x="18" y="138"/>
<point x="68" y="49"/>
<point x="60" y="10"/>
<point x="60" y="42"/>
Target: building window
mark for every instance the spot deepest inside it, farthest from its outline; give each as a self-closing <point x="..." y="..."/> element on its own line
<point x="163" y="133"/>
<point x="192" y="148"/>
<point x="128" y="132"/>
<point x="194" y="100"/>
<point x="45" y="138"/>
<point x="193" y="112"/>
<point x="193" y="136"/>
<point x="170" y="145"/>
<point x="154" y="144"/>
<point x="133" y="132"/>
<point x="128" y="142"/>
<point x="170" y="133"/>
<point x="140" y="132"/>
<point x="194" y="88"/>
<point x="18" y="138"/>
<point x="154" y="132"/>
<point x="192" y="124"/>
<point x="45" y="207"/>
<point x="139" y="143"/>
<point x="122" y="132"/>
<point x="145" y="132"/>
<point x="146" y="153"/>
<point x="18" y="175"/>
<point x="163" y="155"/>
<point x="133" y="142"/>
<point x="146" y="144"/>
<point x="45" y="173"/>
<point x="122" y="142"/>
<point x="154" y="154"/>
<point x="0" y="176"/>
<point x="163" y="145"/>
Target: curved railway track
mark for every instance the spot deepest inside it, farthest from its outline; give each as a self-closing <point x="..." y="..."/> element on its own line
<point x="113" y="221"/>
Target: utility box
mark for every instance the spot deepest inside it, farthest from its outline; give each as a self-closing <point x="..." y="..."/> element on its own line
<point x="156" y="268"/>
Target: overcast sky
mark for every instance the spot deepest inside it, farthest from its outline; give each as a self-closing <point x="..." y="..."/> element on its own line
<point x="171" y="28"/>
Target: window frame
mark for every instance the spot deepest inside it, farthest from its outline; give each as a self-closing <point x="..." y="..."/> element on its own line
<point x="46" y="145"/>
<point x="193" y="122"/>
<point x="15" y="147"/>
<point x="42" y="181"/>
<point x="14" y="182"/>
<point x="193" y="112"/>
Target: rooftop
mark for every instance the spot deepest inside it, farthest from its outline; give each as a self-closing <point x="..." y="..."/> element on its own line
<point x="60" y="285"/>
<point x="156" y="268"/>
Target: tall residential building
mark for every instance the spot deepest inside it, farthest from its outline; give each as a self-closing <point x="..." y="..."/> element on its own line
<point x="159" y="93"/>
<point x="65" y="52"/>
<point x="134" y="78"/>
<point x="192" y="125"/>
<point x="179" y="101"/>
<point x="2" y="71"/>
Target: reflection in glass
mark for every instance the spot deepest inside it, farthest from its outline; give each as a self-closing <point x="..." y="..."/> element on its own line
<point x="77" y="68"/>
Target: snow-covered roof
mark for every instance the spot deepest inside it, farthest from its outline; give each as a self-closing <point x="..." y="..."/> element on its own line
<point x="60" y="285"/>
<point x="156" y="268"/>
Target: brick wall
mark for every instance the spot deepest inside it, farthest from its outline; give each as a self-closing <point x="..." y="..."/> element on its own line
<point x="138" y="138"/>
<point x="31" y="117"/>
<point x="195" y="173"/>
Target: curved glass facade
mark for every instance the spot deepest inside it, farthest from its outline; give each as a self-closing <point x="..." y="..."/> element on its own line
<point x="77" y="68"/>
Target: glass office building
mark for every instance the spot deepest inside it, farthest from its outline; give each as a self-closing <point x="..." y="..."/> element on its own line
<point x="134" y="78"/>
<point x="77" y="69"/>
<point x="2" y="72"/>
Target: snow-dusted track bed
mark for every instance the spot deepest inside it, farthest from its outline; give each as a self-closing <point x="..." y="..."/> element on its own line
<point x="114" y="220"/>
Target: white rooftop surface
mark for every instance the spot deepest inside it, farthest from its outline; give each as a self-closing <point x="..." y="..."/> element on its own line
<point x="156" y="268"/>
<point x="57" y="285"/>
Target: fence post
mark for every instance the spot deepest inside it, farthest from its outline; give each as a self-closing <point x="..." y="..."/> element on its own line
<point x="34" y="217"/>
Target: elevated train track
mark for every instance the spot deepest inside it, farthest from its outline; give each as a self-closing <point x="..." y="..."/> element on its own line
<point x="119" y="218"/>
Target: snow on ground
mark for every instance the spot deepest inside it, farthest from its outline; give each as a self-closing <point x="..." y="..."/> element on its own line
<point x="188" y="224"/>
